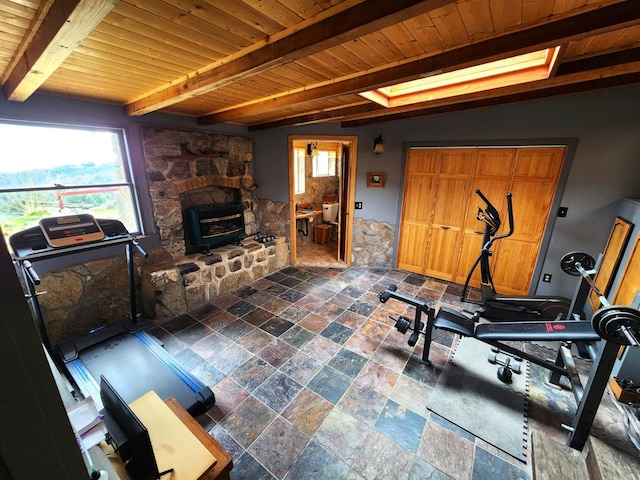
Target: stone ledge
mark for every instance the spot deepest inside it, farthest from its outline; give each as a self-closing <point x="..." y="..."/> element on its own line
<point x="188" y="282"/>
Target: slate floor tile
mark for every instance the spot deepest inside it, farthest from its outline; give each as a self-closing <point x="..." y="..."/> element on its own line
<point x="401" y="425"/>
<point x="307" y="411"/>
<point x="248" y="421"/>
<point x="276" y="326"/>
<point x="278" y="447"/>
<point x="348" y="362"/>
<point x="318" y="463"/>
<point x="330" y="384"/>
<point x="277" y="391"/>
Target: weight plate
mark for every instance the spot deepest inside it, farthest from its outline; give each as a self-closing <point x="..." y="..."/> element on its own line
<point x="608" y="321"/>
<point x="569" y="261"/>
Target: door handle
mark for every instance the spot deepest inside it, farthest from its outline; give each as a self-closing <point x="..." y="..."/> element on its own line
<point x="444" y="227"/>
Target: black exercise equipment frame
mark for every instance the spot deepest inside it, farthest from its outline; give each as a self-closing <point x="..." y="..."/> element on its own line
<point x="506" y="307"/>
<point x="587" y="398"/>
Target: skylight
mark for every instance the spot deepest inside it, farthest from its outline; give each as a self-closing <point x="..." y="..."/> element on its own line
<point x="501" y="73"/>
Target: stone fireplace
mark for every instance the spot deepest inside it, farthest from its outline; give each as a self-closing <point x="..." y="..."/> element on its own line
<point x="193" y="171"/>
<point x="189" y="170"/>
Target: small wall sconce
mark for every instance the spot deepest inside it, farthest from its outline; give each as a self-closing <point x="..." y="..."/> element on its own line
<point x="312" y="150"/>
<point x="378" y="147"/>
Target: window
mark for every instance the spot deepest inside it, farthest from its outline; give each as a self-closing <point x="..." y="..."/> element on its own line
<point x="324" y="163"/>
<point x="59" y="170"/>
<point x="298" y="170"/>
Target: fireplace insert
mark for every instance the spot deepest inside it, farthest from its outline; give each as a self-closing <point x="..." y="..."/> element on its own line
<point x="214" y="226"/>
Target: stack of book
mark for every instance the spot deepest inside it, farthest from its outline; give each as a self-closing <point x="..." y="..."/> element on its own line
<point x="87" y="423"/>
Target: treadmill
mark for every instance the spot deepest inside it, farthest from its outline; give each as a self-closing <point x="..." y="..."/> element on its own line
<point x="132" y="360"/>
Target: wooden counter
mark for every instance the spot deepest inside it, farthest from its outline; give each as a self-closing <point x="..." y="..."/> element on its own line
<point x="220" y="470"/>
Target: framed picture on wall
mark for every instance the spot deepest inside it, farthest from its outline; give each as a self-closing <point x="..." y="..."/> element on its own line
<point x="375" y="179"/>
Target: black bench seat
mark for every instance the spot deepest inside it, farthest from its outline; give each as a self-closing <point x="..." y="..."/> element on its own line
<point x="573" y="330"/>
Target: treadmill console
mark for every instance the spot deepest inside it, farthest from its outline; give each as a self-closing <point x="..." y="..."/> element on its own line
<point x="71" y="230"/>
<point x="60" y="235"/>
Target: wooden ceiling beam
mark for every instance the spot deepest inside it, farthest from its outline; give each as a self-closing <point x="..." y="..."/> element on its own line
<point x="65" y="25"/>
<point x="545" y="35"/>
<point x="360" y="19"/>
<point x="319" y="117"/>
<point x="598" y="61"/>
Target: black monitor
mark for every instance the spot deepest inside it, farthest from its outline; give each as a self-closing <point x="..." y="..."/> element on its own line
<point x="128" y="436"/>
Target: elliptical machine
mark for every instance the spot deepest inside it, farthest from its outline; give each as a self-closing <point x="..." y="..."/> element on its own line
<point x="512" y="307"/>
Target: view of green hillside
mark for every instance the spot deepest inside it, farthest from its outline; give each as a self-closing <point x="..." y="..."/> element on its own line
<point x="23" y="209"/>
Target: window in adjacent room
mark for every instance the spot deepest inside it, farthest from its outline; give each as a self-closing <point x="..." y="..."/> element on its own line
<point x="324" y="163"/>
<point x="62" y="170"/>
<point x="299" y="170"/>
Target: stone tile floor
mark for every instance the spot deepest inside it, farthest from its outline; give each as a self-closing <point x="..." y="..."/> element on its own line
<point x="313" y="382"/>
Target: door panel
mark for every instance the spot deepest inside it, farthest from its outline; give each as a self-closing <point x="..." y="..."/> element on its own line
<point x="630" y="281"/>
<point x="511" y="274"/>
<point x="540" y="163"/>
<point x="412" y="247"/>
<point x="419" y="193"/>
<point x="611" y="257"/>
<point x="471" y="246"/>
<point x="442" y="252"/>
<point x="450" y="202"/>
<point x="531" y="204"/>
<point x="417" y="206"/>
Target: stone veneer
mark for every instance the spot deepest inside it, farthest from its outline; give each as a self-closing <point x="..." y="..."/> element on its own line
<point x="372" y="243"/>
<point x="180" y="286"/>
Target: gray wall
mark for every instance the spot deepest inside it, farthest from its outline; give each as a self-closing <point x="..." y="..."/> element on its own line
<point x="604" y="126"/>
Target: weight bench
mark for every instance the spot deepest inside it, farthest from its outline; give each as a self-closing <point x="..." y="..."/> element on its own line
<point x="611" y="326"/>
<point x="565" y="331"/>
<point x="496" y="333"/>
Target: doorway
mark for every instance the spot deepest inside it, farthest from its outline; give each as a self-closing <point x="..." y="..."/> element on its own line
<point x="321" y="191"/>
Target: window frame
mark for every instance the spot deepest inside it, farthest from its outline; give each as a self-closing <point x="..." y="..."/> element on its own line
<point x="300" y="170"/>
<point x="331" y="158"/>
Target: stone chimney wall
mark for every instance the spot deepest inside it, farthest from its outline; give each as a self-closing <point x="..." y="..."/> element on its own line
<point x="186" y="167"/>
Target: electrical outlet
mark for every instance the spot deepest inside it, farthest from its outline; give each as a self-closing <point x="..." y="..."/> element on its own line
<point x="546" y="277"/>
<point x="358" y="206"/>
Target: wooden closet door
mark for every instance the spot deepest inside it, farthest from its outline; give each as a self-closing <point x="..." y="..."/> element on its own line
<point x="492" y="176"/>
<point x="533" y="188"/>
<point x="629" y="283"/>
<point x="417" y="206"/>
<point x="439" y="234"/>
<point x="611" y="257"/>
<point x="449" y="212"/>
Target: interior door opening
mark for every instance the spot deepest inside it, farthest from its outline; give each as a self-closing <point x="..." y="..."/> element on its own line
<point x="321" y="189"/>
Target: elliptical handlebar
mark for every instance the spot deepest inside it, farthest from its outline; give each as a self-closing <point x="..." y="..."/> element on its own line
<point x="491" y="216"/>
<point x="510" y="215"/>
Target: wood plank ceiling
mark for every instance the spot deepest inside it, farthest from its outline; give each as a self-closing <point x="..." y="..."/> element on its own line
<point x="272" y="63"/>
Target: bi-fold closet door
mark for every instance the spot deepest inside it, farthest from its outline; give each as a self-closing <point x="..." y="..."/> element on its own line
<point x="439" y="233"/>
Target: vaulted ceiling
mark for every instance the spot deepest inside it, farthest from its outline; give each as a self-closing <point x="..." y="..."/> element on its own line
<point x="273" y="63"/>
